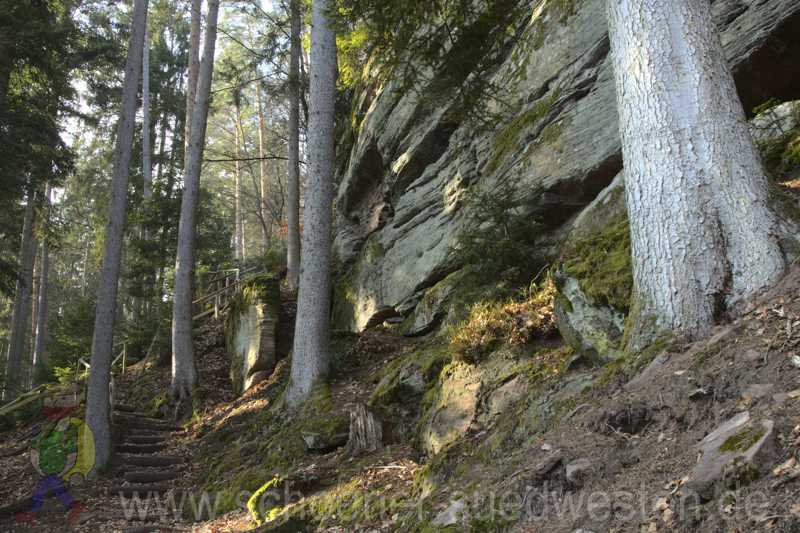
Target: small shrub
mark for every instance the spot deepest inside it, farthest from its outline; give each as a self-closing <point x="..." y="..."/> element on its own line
<point x="499" y="238"/>
<point x="513" y="322"/>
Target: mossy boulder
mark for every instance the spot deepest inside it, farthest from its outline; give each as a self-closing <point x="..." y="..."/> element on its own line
<point x="737" y="452"/>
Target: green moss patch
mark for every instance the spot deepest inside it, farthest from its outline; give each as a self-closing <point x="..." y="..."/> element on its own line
<point x="603" y="267"/>
<point x="743" y="441"/>
<point x="507" y="141"/>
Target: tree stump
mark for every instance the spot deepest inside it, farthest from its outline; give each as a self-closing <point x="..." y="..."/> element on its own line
<point x="366" y="433"/>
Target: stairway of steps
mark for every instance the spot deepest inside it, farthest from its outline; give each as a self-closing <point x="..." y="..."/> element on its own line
<point x="143" y="467"/>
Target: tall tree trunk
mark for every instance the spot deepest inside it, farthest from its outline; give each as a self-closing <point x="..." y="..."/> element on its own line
<point x="262" y="153"/>
<point x="97" y="401"/>
<point x="293" y="186"/>
<point x="194" y="66"/>
<point x="702" y="234"/>
<point x="6" y="66"/>
<point x="310" y="359"/>
<point x="162" y="145"/>
<point x="30" y="338"/>
<point x="238" y="234"/>
<point x="21" y="307"/>
<point x="147" y="165"/>
<point x="40" y="361"/>
<point x="184" y="373"/>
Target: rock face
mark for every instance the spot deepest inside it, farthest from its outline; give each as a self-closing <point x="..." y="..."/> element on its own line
<point x="735" y="453"/>
<point x="453" y="409"/>
<point x="251" y="331"/>
<point x="403" y="194"/>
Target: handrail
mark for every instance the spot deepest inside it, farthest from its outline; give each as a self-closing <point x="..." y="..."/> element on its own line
<point x="216" y="296"/>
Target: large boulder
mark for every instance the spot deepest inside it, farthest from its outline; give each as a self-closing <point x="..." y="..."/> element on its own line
<point x="251" y="330"/>
<point x="402" y="198"/>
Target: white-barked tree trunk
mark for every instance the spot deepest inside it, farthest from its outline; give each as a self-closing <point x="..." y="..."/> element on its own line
<point x="293" y="185"/>
<point x="703" y="236"/>
<point x="184" y="371"/>
<point x="97" y="401"/>
<point x="310" y="355"/>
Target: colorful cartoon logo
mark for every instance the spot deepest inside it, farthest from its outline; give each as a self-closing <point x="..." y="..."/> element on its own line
<point x="63" y="450"/>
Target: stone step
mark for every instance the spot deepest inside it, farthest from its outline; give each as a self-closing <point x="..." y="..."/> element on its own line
<point x="151" y="476"/>
<point x="142" y="490"/>
<point x="126" y="415"/>
<point x="154" y="528"/>
<point x="150" y="425"/>
<point x="146" y="439"/>
<point x="152" y="460"/>
<point x="140" y="448"/>
<point x="125" y="408"/>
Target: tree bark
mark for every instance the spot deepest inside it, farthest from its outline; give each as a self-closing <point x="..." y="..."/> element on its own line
<point x="262" y="152"/>
<point x="194" y="66"/>
<point x="21" y="307"/>
<point x="97" y="402"/>
<point x="293" y="186"/>
<point x="184" y="372"/>
<point x="238" y="134"/>
<point x="30" y="338"/>
<point x="310" y="359"/>
<point x="40" y="343"/>
<point x="6" y="66"/>
<point x="147" y="166"/>
<point x="703" y="237"/>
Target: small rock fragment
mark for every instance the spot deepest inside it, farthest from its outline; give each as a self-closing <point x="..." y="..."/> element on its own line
<point x="699" y="394"/>
<point x="451" y="515"/>
<point x="578" y="471"/>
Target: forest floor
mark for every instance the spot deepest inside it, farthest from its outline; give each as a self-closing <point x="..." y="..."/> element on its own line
<point x="581" y="447"/>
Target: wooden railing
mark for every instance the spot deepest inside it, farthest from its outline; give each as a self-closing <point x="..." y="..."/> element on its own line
<point x="49" y="389"/>
<point x="220" y="289"/>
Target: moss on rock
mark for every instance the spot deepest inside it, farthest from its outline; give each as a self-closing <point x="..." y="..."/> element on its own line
<point x="603" y="267"/>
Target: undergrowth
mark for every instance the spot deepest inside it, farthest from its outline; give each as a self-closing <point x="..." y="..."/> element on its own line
<point x="514" y="322"/>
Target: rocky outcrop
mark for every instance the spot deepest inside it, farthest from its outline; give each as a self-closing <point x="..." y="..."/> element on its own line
<point x="403" y="196"/>
<point x="251" y="332"/>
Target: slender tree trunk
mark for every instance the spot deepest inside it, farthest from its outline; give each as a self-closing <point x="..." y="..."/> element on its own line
<point x="702" y="234"/>
<point x="84" y="273"/>
<point x="238" y="234"/>
<point x="262" y="153"/>
<point x="21" y="306"/>
<point x="147" y="165"/>
<point x="40" y="361"/>
<point x="310" y="359"/>
<point x="184" y="373"/>
<point x="194" y="66"/>
<point x="293" y="186"/>
<point x="162" y="145"/>
<point x="6" y="65"/>
<point x="30" y="338"/>
<point x="97" y="402"/>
